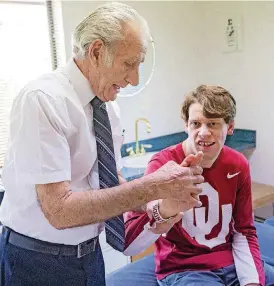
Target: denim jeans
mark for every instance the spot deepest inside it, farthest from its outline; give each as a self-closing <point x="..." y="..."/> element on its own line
<point x="224" y="276"/>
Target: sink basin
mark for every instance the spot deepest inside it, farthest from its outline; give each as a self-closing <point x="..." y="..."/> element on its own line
<point x="139" y="161"/>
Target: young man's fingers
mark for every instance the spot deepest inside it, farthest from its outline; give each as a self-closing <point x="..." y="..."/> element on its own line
<point x="188" y="160"/>
<point x="200" y="157"/>
<point x="193" y="160"/>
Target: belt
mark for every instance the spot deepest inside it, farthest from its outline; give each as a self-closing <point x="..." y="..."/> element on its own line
<point x="33" y="244"/>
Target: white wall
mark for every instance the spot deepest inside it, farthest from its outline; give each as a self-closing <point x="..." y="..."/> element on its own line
<point x="247" y="74"/>
<point x="189" y="52"/>
<point x="172" y="25"/>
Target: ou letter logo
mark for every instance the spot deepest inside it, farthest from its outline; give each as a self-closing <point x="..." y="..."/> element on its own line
<point x="204" y="226"/>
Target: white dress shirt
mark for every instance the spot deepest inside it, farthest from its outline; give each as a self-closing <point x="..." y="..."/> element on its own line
<point x="51" y="140"/>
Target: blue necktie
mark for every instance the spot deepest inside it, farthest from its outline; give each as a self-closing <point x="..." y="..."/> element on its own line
<point x="108" y="177"/>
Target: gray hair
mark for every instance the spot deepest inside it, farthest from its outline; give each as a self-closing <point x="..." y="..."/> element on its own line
<point x="106" y="23"/>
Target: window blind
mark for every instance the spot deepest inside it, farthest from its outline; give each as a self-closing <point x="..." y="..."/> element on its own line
<point x="56" y="34"/>
<point x="31" y="44"/>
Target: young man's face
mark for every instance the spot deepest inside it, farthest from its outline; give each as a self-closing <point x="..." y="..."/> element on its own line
<point x="206" y="134"/>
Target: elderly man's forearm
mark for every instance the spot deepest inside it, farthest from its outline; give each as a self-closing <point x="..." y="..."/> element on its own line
<point x="89" y="207"/>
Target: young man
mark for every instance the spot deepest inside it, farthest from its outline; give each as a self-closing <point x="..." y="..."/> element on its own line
<point x="216" y="243"/>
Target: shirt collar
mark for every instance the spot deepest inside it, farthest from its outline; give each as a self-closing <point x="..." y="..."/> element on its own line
<point x="79" y="82"/>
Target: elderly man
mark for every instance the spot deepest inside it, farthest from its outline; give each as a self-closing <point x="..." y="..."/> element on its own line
<point x="61" y="171"/>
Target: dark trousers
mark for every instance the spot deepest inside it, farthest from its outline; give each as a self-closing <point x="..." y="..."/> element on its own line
<point x="21" y="267"/>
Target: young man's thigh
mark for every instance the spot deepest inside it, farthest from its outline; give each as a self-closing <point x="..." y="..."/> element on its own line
<point x="192" y="278"/>
<point x="231" y="278"/>
<point x="269" y="274"/>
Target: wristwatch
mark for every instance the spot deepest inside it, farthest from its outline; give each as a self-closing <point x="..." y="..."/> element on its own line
<point x="157" y="216"/>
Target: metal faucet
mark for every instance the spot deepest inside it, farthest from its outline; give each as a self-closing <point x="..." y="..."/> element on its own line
<point x="139" y="151"/>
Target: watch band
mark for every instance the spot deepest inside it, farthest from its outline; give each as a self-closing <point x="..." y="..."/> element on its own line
<point x="157" y="216"/>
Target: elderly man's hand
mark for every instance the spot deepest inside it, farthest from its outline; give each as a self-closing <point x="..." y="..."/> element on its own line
<point x="171" y="207"/>
<point x="173" y="181"/>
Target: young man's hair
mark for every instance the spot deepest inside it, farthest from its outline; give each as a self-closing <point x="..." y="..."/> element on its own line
<point x="217" y="102"/>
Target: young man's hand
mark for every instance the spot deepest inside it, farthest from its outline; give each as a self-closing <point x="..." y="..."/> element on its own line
<point x="161" y="228"/>
<point x="193" y="160"/>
